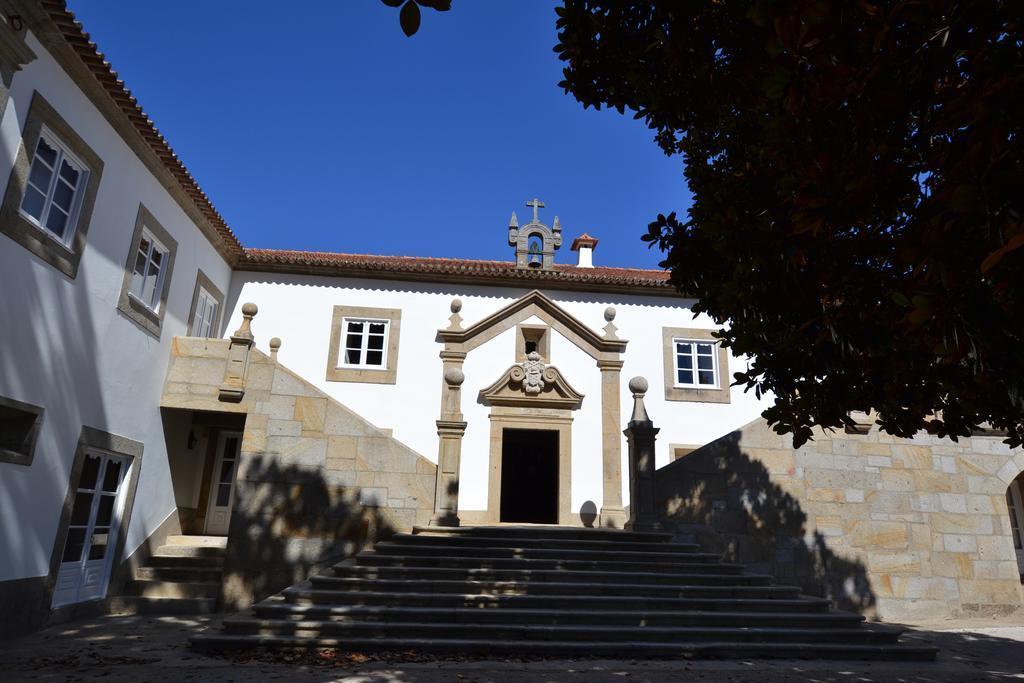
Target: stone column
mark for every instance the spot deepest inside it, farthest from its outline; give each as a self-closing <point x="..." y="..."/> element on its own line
<point x="612" y="513"/>
<point x="640" y="434"/>
<point x="450" y="430"/>
<point x="233" y="388"/>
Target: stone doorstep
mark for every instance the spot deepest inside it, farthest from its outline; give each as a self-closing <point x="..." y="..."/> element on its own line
<point x="198" y="541"/>
<point x="537" y="576"/>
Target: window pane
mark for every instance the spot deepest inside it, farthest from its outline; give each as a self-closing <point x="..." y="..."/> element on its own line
<point x="112" y="476"/>
<point x="45" y="152"/>
<point x="685" y="377"/>
<point x="81" y="509"/>
<point x="227" y="467"/>
<point x="375" y="342"/>
<point x="377" y="328"/>
<point x="355" y="327"/>
<point x="353" y="341"/>
<point x="374" y="357"/>
<point x="68" y="173"/>
<point x="211" y="311"/>
<point x="704" y="348"/>
<point x="73" y="545"/>
<point x="40" y="177"/>
<point x="704" y="362"/>
<point x="684" y="362"/>
<point x="56" y="221"/>
<point x="90" y="472"/>
<point x="100" y="540"/>
<point x="105" y="511"/>
<point x="223" y="494"/>
<point x="62" y="196"/>
<point x="706" y="377"/>
<point x="33" y="202"/>
<point x="352" y="356"/>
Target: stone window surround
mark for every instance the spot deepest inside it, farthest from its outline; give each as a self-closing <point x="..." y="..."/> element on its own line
<point x="677" y="451"/>
<point x="149" y="320"/>
<point x="91" y="438"/>
<point x="720" y="394"/>
<point x="37" y="240"/>
<point x="535" y="333"/>
<point x="14" y="457"/>
<point x="386" y="375"/>
<point x="206" y="283"/>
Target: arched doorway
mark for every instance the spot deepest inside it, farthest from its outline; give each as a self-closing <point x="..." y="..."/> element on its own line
<point x="1015" y="505"/>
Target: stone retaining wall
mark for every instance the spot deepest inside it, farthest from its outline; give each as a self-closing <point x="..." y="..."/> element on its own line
<point x="315" y="480"/>
<point x="897" y="528"/>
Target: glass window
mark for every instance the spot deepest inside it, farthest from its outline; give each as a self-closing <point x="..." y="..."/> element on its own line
<point x="696" y="363"/>
<point x="205" y="315"/>
<point x="55" y="184"/>
<point x="148" y="274"/>
<point x="365" y="343"/>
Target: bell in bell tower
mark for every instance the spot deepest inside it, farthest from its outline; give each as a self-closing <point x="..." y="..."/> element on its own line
<point x="535" y="242"/>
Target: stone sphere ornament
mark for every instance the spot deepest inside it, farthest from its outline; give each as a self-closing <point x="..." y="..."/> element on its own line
<point x="609" y="313"/>
<point x="638" y="385"/>
<point x="454" y="377"/>
<point x="249" y="309"/>
<point x="456" y="305"/>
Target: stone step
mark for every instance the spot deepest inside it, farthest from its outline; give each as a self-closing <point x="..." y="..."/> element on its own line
<point x="135" y="604"/>
<point x="665" y="557"/>
<point x="199" y="541"/>
<point x="614" y="648"/>
<point x="190" y="551"/>
<point x="248" y="625"/>
<point x="179" y="573"/>
<point x="370" y="557"/>
<point x="278" y="608"/>
<point x="451" y="540"/>
<point x="536" y="531"/>
<point x="173" y="589"/>
<point x="348" y="569"/>
<point x="567" y="602"/>
<point x="530" y="587"/>
<point x="185" y="561"/>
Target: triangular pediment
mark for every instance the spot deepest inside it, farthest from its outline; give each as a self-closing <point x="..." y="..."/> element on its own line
<point x="534" y="303"/>
<point x="511" y="389"/>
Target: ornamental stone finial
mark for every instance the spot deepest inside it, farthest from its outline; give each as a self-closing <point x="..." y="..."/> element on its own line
<point x="610" y="329"/>
<point x="609" y="314"/>
<point x="249" y="311"/>
<point x="275" y="346"/>
<point x="454" y="377"/>
<point x="638" y="385"/>
<point x="455" y="320"/>
<point x="536" y="204"/>
<point x="514" y="221"/>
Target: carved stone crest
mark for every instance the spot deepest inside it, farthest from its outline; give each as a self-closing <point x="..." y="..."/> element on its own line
<point x="533" y="366"/>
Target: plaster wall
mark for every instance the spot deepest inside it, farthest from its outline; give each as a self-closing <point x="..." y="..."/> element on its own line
<point x="298" y="309"/>
<point x="65" y="345"/>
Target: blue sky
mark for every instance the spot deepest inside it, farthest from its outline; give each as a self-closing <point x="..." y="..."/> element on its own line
<point x="320" y="126"/>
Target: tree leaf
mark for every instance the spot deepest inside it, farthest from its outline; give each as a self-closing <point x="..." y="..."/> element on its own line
<point x="409" y="17"/>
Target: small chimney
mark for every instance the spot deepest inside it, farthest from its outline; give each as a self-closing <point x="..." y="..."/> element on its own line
<point x="585" y="245"/>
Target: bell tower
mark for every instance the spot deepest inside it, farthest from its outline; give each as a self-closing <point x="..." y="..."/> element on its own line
<point x="535" y="242"/>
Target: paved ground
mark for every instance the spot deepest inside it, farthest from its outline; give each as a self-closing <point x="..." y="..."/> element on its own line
<point x="136" y="649"/>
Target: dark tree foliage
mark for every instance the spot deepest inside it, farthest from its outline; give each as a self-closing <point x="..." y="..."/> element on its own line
<point x="409" y="15"/>
<point x="856" y="170"/>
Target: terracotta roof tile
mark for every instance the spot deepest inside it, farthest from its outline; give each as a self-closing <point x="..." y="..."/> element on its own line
<point x="429" y="268"/>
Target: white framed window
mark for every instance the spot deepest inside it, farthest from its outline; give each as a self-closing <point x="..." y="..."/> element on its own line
<point x="696" y="363"/>
<point x="365" y="343"/>
<point x="53" y="193"/>
<point x="149" y="271"/>
<point x="205" y="314"/>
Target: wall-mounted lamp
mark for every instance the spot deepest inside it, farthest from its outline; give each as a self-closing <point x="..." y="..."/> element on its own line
<point x="191" y="439"/>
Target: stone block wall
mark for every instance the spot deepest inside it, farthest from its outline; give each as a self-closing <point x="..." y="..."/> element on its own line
<point x="894" y="528"/>
<point x="315" y="480"/>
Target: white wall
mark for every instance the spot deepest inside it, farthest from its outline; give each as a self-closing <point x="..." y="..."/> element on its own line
<point x="298" y="309"/>
<point x="66" y="347"/>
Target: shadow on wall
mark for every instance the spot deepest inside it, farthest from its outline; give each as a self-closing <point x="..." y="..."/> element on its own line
<point x="289" y="522"/>
<point x="727" y="502"/>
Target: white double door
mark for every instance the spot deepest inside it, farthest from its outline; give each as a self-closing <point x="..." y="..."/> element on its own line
<point x="88" y="554"/>
<point x="222" y="484"/>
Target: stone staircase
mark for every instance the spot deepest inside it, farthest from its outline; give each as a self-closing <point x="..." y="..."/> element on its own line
<point x="555" y="591"/>
<point x="181" y="577"/>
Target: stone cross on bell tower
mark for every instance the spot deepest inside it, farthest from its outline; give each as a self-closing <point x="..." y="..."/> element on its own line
<point x="535" y="242"/>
